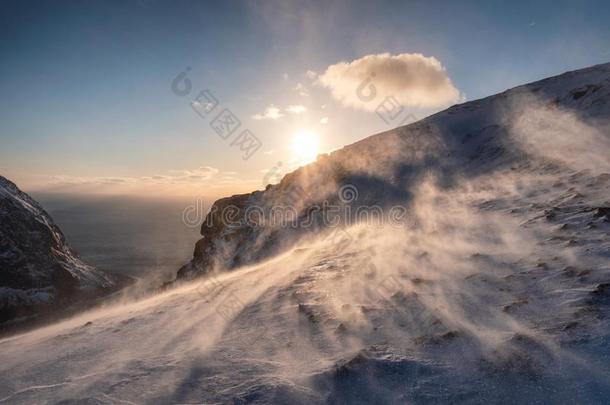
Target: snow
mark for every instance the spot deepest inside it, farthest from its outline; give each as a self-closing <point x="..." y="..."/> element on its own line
<point x="485" y="300"/>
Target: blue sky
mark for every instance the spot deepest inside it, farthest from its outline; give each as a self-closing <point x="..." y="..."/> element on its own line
<point x="87" y="104"/>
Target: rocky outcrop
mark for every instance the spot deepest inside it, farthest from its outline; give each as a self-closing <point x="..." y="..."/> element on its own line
<point x="39" y="272"/>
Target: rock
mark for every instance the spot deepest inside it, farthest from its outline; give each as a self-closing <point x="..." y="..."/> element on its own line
<point x="435" y="340"/>
<point x="602" y="212"/>
<point x="515" y="305"/>
<point x="600" y="296"/>
<point x="39" y="272"/>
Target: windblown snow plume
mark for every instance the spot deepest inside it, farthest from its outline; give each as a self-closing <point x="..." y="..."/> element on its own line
<point x="560" y="135"/>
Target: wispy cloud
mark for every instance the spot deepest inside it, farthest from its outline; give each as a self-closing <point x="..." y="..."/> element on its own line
<point x="296" y="109"/>
<point x="209" y="177"/>
<point x="201" y="173"/>
<point x="301" y="90"/>
<point x="271" y="113"/>
<point x="311" y="75"/>
<point x="275" y="113"/>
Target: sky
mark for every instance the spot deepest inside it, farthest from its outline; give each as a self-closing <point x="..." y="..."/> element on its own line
<point x="144" y="96"/>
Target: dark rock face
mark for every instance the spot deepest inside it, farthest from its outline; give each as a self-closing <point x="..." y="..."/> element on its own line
<point x="39" y="273"/>
<point x="207" y="251"/>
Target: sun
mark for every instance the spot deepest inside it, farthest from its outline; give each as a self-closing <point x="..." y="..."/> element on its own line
<point x="305" y="145"/>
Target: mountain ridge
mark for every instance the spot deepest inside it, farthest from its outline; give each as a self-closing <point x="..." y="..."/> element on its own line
<point x="442" y="140"/>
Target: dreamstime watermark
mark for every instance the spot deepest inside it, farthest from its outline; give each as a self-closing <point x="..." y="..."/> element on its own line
<point x="194" y="214"/>
<point x="225" y="123"/>
<point x="339" y="212"/>
<point x="389" y="109"/>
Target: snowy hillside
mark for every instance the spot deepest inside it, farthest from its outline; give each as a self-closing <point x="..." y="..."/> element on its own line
<point x="39" y="273"/>
<point x="494" y="287"/>
<point x="554" y="120"/>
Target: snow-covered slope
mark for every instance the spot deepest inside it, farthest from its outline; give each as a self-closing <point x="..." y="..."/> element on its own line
<point x="39" y="273"/>
<point x="494" y="288"/>
<point x="470" y="140"/>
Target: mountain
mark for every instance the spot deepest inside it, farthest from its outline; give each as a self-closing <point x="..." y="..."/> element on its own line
<point x="463" y="258"/>
<point x="39" y="273"/>
<point x="473" y="139"/>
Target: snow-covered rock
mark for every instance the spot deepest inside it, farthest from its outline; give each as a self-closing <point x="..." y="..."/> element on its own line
<point x="39" y="273"/>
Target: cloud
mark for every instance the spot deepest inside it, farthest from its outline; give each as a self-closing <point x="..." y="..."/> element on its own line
<point x="296" y="109"/>
<point x="275" y="113"/>
<point x="203" y="173"/>
<point x="177" y="182"/>
<point x="301" y="90"/>
<point x="270" y="113"/>
<point x="83" y="180"/>
<point x="413" y="79"/>
<point x="173" y="177"/>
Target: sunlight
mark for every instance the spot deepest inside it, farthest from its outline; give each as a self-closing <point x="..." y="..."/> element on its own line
<point x="305" y="145"/>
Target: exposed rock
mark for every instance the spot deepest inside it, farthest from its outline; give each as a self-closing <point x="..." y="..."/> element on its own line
<point x="602" y="212"/>
<point x="435" y="340"/>
<point x="600" y="296"/>
<point x="39" y="272"/>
